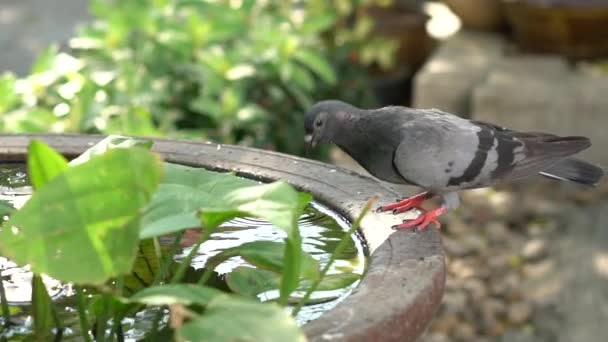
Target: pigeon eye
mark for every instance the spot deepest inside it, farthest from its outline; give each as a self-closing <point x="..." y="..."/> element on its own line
<point x="318" y="123"/>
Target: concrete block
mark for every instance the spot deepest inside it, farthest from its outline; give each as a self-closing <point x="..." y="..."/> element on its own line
<point x="459" y="64"/>
<point x="544" y="94"/>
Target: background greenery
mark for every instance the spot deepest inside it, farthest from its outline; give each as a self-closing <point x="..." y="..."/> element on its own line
<point x="238" y="71"/>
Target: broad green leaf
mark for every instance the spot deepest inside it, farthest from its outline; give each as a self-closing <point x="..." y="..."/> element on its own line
<point x="332" y="282"/>
<point x="277" y="202"/>
<point x="182" y="192"/>
<point x="267" y="255"/>
<point x="42" y="311"/>
<point x="250" y="282"/>
<point x="146" y="266"/>
<point x="108" y="143"/>
<point x="83" y="225"/>
<point x="185" y="294"/>
<point x="229" y="319"/>
<point x="43" y="163"/>
<point x="316" y="63"/>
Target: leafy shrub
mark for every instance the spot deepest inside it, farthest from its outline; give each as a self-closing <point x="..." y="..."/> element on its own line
<point x="229" y="71"/>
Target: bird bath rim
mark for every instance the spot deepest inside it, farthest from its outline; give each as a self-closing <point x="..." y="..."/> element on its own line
<point x="405" y="279"/>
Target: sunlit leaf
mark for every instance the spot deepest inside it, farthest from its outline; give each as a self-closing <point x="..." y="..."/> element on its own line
<point x="316" y="63"/>
<point x="8" y="96"/>
<point x="43" y="163"/>
<point x="45" y="60"/>
<point x="248" y="321"/>
<point x="108" y="143"/>
<point x="277" y="202"/>
<point x="83" y="225"/>
<point x="182" y="192"/>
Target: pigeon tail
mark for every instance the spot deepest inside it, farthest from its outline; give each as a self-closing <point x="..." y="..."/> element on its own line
<point x="574" y="170"/>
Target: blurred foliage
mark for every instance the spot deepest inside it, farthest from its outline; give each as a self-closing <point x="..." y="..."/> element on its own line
<point x="230" y="71"/>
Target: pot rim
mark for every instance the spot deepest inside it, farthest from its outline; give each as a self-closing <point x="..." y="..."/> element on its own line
<point x="404" y="281"/>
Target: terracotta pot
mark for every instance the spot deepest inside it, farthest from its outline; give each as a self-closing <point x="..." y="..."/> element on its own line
<point x="405" y="279"/>
<point x="576" y="29"/>
<point x="478" y="14"/>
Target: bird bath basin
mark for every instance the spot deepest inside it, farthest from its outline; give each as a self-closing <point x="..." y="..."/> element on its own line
<point x="404" y="280"/>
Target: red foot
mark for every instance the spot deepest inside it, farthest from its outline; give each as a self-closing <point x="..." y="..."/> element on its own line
<point x="407" y="204"/>
<point x="422" y="221"/>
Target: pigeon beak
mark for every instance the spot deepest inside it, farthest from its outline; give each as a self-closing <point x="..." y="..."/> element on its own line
<point x="311" y="142"/>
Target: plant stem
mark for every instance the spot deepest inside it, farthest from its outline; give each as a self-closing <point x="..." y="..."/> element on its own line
<point x="117" y="316"/>
<point x="102" y="321"/>
<point x="168" y="259"/>
<point x="332" y="258"/>
<point x="6" y="313"/>
<point x="181" y="270"/>
<point x="82" y="315"/>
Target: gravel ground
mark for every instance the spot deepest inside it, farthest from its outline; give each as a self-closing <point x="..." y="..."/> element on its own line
<point x="526" y="261"/>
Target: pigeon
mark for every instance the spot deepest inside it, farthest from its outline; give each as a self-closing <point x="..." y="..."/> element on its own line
<point x="442" y="153"/>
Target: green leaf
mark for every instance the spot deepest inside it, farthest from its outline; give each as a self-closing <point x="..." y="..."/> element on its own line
<point x="332" y="282"/>
<point x="269" y="255"/>
<point x="108" y="143"/>
<point x="8" y="96"/>
<point x="182" y="192"/>
<point x="83" y="225"/>
<point x="250" y="282"/>
<point x="318" y="23"/>
<point x="43" y="163"/>
<point x="146" y="266"/>
<point x="185" y="294"/>
<point x="316" y="63"/>
<point x="6" y="208"/>
<point x="277" y="202"/>
<point x="228" y="319"/>
<point x="45" y="60"/>
<point x="42" y="312"/>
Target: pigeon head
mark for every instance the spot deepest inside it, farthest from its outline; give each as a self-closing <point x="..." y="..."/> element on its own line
<point x="323" y="118"/>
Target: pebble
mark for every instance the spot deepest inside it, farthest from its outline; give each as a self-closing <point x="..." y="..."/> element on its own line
<point x="476" y="289"/>
<point x="534" y="250"/>
<point x="455" y="302"/>
<point x="497" y="232"/>
<point x="518" y="336"/>
<point x="540" y="269"/>
<point x="464" y="332"/>
<point x="519" y="312"/>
